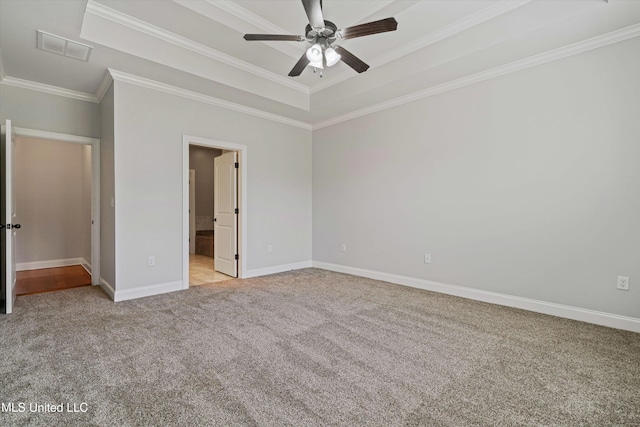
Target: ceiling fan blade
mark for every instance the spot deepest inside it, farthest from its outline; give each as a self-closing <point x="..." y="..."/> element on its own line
<point x="375" y="27"/>
<point x="351" y="60"/>
<point x="313" y="8"/>
<point x="300" y="65"/>
<point x="274" y="37"/>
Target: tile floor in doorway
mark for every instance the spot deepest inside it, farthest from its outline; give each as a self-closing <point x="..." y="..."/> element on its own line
<point x="201" y="271"/>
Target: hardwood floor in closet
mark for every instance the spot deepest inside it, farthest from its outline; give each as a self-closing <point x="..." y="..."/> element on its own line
<point x="51" y="279"/>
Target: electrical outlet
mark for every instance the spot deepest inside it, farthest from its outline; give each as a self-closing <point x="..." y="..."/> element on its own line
<point x="343" y="248"/>
<point x="427" y="258"/>
<point x="270" y="248"/>
<point x="152" y="261"/>
<point x="623" y="283"/>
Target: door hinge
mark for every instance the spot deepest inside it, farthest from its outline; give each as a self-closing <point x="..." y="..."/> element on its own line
<point x="237" y="256"/>
<point x="9" y="226"/>
<point x="237" y="165"/>
<point x="237" y="211"/>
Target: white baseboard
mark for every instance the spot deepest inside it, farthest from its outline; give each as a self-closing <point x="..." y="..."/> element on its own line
<point x="52" y="263"/>
<point x="86" y="265"/>
<point x="565" y="311"/>
<point x="277" y="269"/>
<point x="107" y="288"/>
<point x="146" y="291"/>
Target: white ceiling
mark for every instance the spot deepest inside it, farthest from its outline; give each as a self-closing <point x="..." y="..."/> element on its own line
<point x="197" y="45"/>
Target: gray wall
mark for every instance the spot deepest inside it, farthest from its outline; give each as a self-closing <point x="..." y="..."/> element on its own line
<point x="201" y="159"/>
<point x="526" y="185"/>
<point x="36" y="110"/>
<point x="50" y="202"/>
<point x="149" y="126"/>
<point x="107" y="191"/>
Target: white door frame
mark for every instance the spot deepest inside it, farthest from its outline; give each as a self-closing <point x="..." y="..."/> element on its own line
<point x="95" y="186"/>
<point x="242" y="200"/>
<point x="9" y="215"/>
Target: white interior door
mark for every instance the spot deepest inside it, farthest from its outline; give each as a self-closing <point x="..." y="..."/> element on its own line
<point x="192" y="211"/>
<point x="225" y="217"/>
<point x="9" y="217"/>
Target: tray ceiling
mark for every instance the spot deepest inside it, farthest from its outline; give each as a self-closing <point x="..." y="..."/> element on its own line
<point x="197" y="45"/>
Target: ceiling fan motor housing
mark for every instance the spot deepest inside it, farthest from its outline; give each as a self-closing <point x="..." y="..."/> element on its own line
<point x="326" y="36"/>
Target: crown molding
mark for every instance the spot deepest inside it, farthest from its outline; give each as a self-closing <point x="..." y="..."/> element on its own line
<point x="247" y="16"/>
<point x="452" y="29"/>
<point x="104" y="85"/>
<point x="51" y="90"/>
<point x="139" y="25"/>
<point x="532" y="61"/>
<point x="110" y="75"/>
<point x="219" y="11"/>
<point x="206" y="99"/>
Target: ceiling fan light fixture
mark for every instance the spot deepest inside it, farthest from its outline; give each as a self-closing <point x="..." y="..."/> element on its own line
<point x="331" y="56"/>
<point x="314" y="53"/>
<point x="316" y="64"/>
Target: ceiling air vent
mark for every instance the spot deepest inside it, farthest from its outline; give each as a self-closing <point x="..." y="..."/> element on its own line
<point x="62" y="46"/>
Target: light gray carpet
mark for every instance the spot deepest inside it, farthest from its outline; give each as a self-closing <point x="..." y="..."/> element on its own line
<point x="310" y="348"/>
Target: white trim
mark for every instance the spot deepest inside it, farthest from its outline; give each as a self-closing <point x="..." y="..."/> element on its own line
<point x="95" y="184"/>
<point x="195" y="96"/>
<point x="559" y="310"/>
<point x="242" y="187"/>
<point x="224" y="12"/>
<point x="52" y="263"/>
<point x="107" y="288"/>
<point x="95" y="212"/>
<point x="54" y="136"/>
<point x="247" y="16"/>
<point x="563" y="52"/>
<point x="104" y="85"/>
<point x="52" y="90"/>
<point x="532" y="61"/>
<point x="146" y="291"/>
<point x="144" y="27"/>
<point x="87" y="268"/>
<point x="481" y="16"/>
<point x="257" y="272"/>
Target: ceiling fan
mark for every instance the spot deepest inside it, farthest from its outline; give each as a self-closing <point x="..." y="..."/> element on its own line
<point x="322" y="34"/>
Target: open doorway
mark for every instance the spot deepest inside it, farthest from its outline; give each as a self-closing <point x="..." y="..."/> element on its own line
<point x="56" y="186"/>
<point x="213" y="221"/>
<point x="202" y="192"/>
